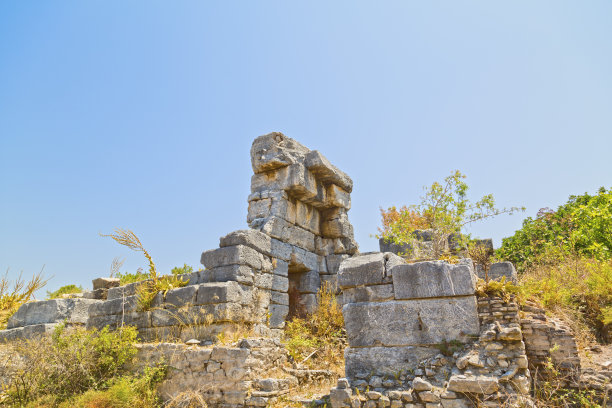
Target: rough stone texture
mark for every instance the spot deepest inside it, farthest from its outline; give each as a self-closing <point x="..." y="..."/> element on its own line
<point x="73" y="311"/>
<point x="547" y="337"/>
<point x="433" y="279"/>
<point x="367" y="269"/>
<point x="361" y="362"/>
<point x="105" y="283"/>
<point x="499" y="270"/>
<point x="405" y="353"/>
<point x="417" y="322"/>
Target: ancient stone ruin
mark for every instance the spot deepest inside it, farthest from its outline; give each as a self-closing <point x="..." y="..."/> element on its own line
<point x="418" y="336"/>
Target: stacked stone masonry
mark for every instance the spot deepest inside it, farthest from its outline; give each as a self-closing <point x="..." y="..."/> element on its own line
<point x="418" y="337"/>
<point x="225" y="377"/>
<point x="300" y="233"/>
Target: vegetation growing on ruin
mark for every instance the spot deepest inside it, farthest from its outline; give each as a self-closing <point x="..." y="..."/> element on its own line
<point x="564" y="260"/>
<point x="64" y="290"/>
<point x="318" y="340"/>
<point x="15" y="294"/>
<point x="445" y="209"/>
<point x="77" y="367"/>
<point x="154" y="284"/>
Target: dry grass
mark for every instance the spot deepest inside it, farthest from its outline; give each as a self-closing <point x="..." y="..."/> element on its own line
<point x="318" y="340"/>
<point x="13" y="295"/>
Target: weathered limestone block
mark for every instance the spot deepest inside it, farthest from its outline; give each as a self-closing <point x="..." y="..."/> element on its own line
<point x="278" y="315"/>
<point x="234" y="255"/>
<point x="501" y="269"/>
<point x="304" y="259"/>
<point x="333" y="262"/>
<point x="239" y="273"/>
<point x="473" y="384"/>
<point x="310" y="282"/>
<point x="384" y="361"/>
<point x="331" y="281"/>
<point x="307" y="217"/>
<point x="223" y="292"/>
<point x="433" y="279"/>
<point x="124" y="291"/>
<point x="114" y="306"/>
<point x="337" y="197"/>
<point x="27" y="332"/>
<point x="414" y="322"/>
<point x="281" y="268"/>
<point x="367" y="269"/>
<point x="375" y="293"/>
<point x="279" y="298"/>
<point x="250" y="238"/>
<point x="105" y="283"/>
<point x="327" y="172"/>
<point x="286" y="232"/>
<point x="73" y="311"/>
<point x="181" y="296"/>
<point x="275" y="150"/>
<point x="335" y="224"/>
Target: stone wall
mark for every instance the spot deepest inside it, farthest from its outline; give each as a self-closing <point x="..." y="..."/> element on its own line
<point x="300" y="233"/>
<point x="418" y="337"/>
<point x="226" y="377"/>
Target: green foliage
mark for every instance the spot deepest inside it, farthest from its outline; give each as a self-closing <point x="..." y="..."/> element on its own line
<point x="126" y="277"/>
<point x="580" y="227"/>
<point x="448" y="348"/>
<point x="445" y="209"/>
<point x="497" y="288"/>
<point x="181" y="270"/>
<point x="147" y="291"/>
<point x="69" y="363"/>
<point x="64" y="290"/>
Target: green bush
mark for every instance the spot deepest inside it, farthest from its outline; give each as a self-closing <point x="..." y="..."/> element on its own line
<point x="181" y="270"/>
<point x="582" y="227"/>
<point x="126" y="277"/>
<point x="64" y="290"/>
<point x="69" y="363"/>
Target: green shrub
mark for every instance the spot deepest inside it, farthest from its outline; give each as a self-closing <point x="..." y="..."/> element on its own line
<point x="126" y="277"/>
<point x="70" y="362"/>
<point x="582" y="227"/>
<point x="64" y="290"/>
<point x="181" y="270"/>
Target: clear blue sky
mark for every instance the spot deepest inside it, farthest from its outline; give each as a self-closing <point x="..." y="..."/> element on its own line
<point x="140" y="114"/>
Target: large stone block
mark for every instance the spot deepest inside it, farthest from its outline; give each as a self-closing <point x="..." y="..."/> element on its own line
<point x="275" y="150"/>
<point x="52" y="311"/>
<point x="412" y="322"/>
<point x="27" y="332"/>
<point x="239" y="273"/>
<point x="233" y="255"/>
<point x="384" y="361"/>
<point x="304" y="259"/>
<point x="114" y="306"/>
<point x="367" y="269"/>
<point x="326" y="172"/>
<point x="337" y="197"/>
<point x="432" y="279"/>
<point x="286" y="232"/>
<point x="499" y="270"/>
<point x="307" y="217"/>
<point x="333" y="262"/>
<point x="309" y="282"/>
<point x="223" y="292"/>
<point x="278" y="314"/>
<point x="181" y="296"/>
<point x="250" y="238"/>
<point x="335" y="224"/>
<point x="376" y="293"/>
<point x="105" y="283"/>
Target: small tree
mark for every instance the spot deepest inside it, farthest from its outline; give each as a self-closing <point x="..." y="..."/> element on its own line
<point x="444" y="210"/>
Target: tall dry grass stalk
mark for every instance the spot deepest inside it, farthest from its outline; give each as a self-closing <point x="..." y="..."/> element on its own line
<point x="129" y="239"/>
<point x="12" y="296"/>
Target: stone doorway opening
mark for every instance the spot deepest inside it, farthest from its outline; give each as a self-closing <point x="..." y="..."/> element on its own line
<point x="296" y="303"/>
